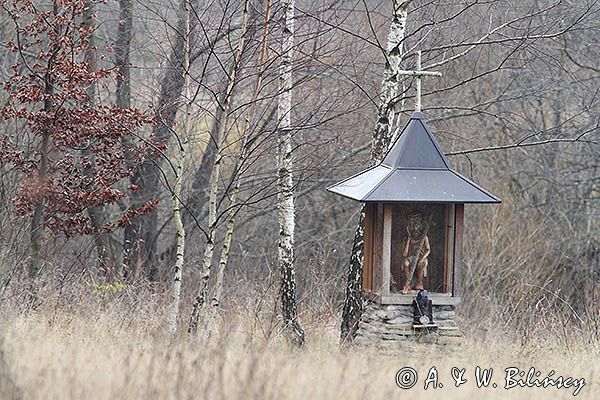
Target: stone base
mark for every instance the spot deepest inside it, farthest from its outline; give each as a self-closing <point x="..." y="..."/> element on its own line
<point x="391" y="326"/>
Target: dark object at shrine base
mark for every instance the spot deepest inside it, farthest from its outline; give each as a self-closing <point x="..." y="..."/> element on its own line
<point x="423" y="313"/>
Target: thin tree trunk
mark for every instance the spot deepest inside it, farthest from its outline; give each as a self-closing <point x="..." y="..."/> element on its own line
<point x="382" y="137"/>
<point x="123" y="92"/>
<point x="202" y="292"/>
<point x="96" y="214"/>
<point x="197" y="197"/>
<point x="122" y="50"/>
<point x="37" y="227"/>
<point x="218" y="289"/>
<point x="383" y="133"/>
<point x="180" y="230"/>
<point x="248" y="122"/>
<point x="140" y="236"/>
<point x="225" y="249"/>
<point x="285" y="182"/>
<point x="353" y="302"/>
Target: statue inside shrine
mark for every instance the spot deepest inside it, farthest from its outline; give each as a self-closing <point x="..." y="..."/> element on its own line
<point x="415" y="250"/>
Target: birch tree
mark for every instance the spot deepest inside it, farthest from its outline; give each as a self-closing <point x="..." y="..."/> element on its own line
<point x="382" y="137"/>
<point x="285" y="182"/>
<point x="237" y="175"/>
<point x="179" y="164"/>
<point x="202" y="292"/>
<point x="139" y="240"/>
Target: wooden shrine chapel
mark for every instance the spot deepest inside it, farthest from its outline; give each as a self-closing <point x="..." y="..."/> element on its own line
<point x="414" y="208"/>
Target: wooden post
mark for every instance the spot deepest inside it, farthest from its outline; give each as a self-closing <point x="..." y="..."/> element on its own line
<point x="459" y="213"/>
<point x="387" y="248"/>
<point x="377" y="248"/>
<point x="368" y="255"/>
<point x="449" y="260"/>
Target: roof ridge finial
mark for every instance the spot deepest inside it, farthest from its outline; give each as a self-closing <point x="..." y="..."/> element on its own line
<point x="418" y="73"/>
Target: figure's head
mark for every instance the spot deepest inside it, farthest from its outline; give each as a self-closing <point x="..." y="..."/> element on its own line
<point x="415" y="223"/>
<point x="422" y="294"/>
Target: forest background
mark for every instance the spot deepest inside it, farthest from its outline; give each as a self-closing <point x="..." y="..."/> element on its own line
<point x="90" y="305"/>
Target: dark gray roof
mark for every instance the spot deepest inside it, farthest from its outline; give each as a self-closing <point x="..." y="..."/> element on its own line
<point x="414" y="170"/>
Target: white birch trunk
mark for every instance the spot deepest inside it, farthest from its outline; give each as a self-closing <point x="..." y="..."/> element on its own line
<point x="202" y="293"/>
<point x="179" y="164"/>
<point x="383" y="133"/>
<point x="285" y="181"/>
<point x="218" y="289"/>
<point x="382" y="137"/>
<point x="225" y="249"/>
<point x="248" y="122"/>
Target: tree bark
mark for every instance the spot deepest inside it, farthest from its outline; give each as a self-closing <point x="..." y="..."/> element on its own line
<point x="123" y="92"/>
<point x="353" y="302"/>
<point x="140" y="235"/>
<point x="382" y="137"/>
<point x="96" y="214"/>
<point x="122" y="50"/>
<point x="198" y="194"/>
<point x="285" y="181"/>
<point x="220" y="138"/>
<point x="237" y="178"/>
<point x="383" y="133"/>
<point x="179" y="164"/>
<point x="37" y="227"/>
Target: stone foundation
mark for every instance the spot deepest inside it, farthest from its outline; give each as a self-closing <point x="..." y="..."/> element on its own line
<point x="392" y="326"/>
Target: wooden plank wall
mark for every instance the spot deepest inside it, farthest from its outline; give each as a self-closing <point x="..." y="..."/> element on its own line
<point x="458" y="244"/>
<point x="367" y="277"/>
<point x="449" y="259"/>
<point x="387" y="248"/>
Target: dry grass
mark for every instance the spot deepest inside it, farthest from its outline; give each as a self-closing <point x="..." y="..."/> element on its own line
<point x="106" y="350"/>
<point x="524" y="306"/>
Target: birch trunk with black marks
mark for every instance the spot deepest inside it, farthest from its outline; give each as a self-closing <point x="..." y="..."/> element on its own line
<point x="382" y="137"/>
<point x="179" y="164"/>
<point x="249" y="120"/>
<point x="285" y="244"/>
<point x="225" y="249"/>
<point x="202" y="293"/>
<point x="198" y="193"/>
<point x="383" y="133"/>
<point x="353" y="302"/>
<point x="215" y="301"/>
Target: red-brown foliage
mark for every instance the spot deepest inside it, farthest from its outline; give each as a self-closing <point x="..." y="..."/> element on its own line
<point x="91" y="147"/>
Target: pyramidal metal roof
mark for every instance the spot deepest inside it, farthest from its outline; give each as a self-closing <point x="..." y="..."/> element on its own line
<point x="414" y="170"/>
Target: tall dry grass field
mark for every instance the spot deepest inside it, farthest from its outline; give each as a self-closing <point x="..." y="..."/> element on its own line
<point x="109" y="348"/>
<point x="522" y="307"/>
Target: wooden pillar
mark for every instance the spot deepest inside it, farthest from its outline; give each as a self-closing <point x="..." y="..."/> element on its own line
<point x="367" y="277"/>
<point x="449" y="259"/>
<point x="387" y="248"/>
<point x="458" y="244"/>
